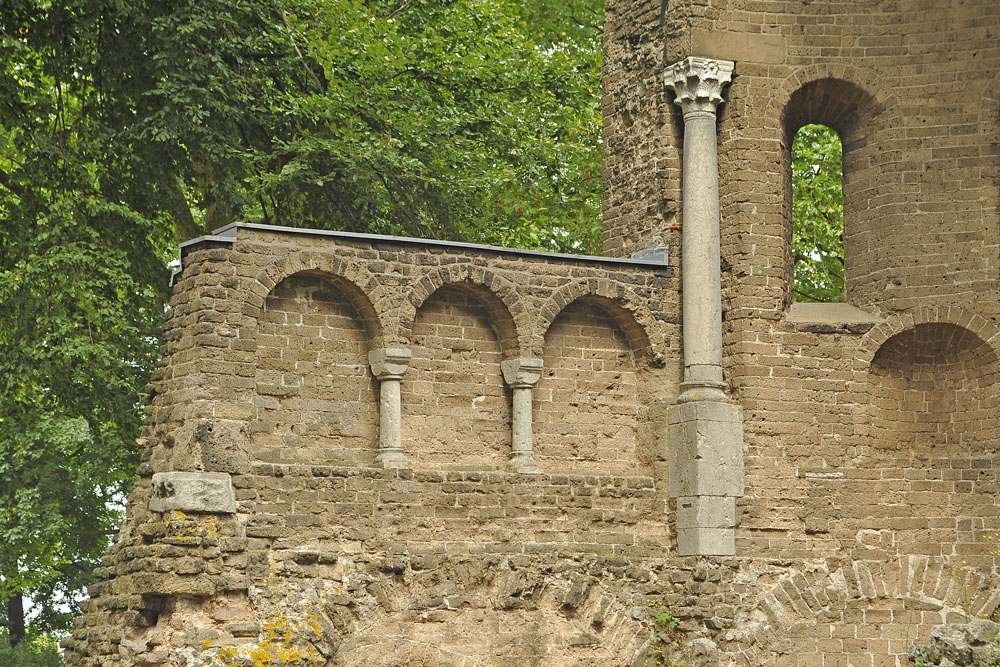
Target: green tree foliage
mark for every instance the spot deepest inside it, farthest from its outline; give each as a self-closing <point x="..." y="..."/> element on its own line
<point x="419" y="117"/>
<point x="35" y="651"/>
<point x="81" y="282"/>
<point x="126" y="127"/>
<point x="818" y="214"/>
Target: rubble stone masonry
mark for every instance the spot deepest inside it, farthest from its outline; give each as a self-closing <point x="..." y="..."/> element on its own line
<point x="329" y="474"/>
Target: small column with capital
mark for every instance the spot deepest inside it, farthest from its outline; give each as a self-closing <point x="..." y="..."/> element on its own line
<point x="388" y="365"/>
<point x="521" y="375"/>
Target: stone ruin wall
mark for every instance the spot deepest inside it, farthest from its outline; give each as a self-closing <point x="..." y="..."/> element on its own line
<point x="870" y="428"/>
<point x="267" y="379"/>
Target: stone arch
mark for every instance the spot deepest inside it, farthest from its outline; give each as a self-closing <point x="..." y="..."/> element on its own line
<point x="360" y="286"/>
<point x="498" y="294"/>
<point x="851" y="102"/>
<point x="538" y="609"/>
<point x="828" y="77"/>
<point x="621" y="303"/>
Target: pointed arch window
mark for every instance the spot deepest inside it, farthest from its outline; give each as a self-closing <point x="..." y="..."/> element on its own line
<point x="818" y="214"/>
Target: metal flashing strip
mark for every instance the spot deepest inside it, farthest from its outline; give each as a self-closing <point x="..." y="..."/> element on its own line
<point x="657" y="263"/>
<point x="657" y="260"/>
<point x="220" y="238"/>
<point x="216" y="237"/>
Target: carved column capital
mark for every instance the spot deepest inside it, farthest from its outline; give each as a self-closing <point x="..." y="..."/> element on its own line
<point x="698" y="83"/>
<point x="523" y="372"/>
<point x="389" y="363"/>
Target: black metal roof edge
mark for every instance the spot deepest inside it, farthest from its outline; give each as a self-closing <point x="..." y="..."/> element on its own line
<point x="232" y="227"/>
<point x="221" y="238"/>
<point x="227" y="234"/>
<point x="217" y="237"/>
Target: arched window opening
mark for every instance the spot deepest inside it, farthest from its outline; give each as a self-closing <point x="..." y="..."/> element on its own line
<point x="818" y="214"/>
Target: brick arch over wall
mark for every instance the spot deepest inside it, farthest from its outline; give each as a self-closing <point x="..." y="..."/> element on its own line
<point x="587" y="406"/>
<point x="647" y="340"/>
<point x="933" y="390"/>
<point x="361" y="287"/>
<point x="498" y="294"/>
<point x="455" y="405"/>
<point x="927" y="385"/>
<point x="857" y="607"/>
<point x="851" y="102"/>
<point x="314" y="394"/>
<point x="898" y="324"/>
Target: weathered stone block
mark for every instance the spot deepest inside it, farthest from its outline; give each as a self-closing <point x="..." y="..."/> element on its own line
<point x="706" y="541"/>
<point x="192" y="492"/>
<point x="705" y="449"/>
<point x="224" y="446"/>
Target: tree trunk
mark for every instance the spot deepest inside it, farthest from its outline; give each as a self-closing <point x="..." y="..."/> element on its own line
<point x="15" y="618"/>
<point x="185" y="227"/>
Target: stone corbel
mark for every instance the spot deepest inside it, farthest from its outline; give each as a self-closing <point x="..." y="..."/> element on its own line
<point x="210" y="492"/>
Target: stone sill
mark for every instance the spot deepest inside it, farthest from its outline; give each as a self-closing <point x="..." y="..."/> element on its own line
<point x="830" y="318"/>
<point x="634" y="482"/>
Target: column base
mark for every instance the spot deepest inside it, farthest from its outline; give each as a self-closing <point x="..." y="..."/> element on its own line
<point x="702" y="390"/>
<point x="705" y="526"/>
<point x="705" y="449"/>
<point x="390" y="460"/>
<point x="705" y="474"/>
<point x="524" y="464"/>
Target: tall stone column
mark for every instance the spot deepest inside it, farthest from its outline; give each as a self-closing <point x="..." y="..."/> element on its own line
<point x="388" y="365"/>
<point x="705" y="430"/>
<point x="521" y="375"/>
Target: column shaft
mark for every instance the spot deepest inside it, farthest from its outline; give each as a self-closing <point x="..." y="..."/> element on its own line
<point x="700" y="272"/>
<point x="389" y="417"/>
<point x="521" y="436"/>
<point x="705" y="430"/>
